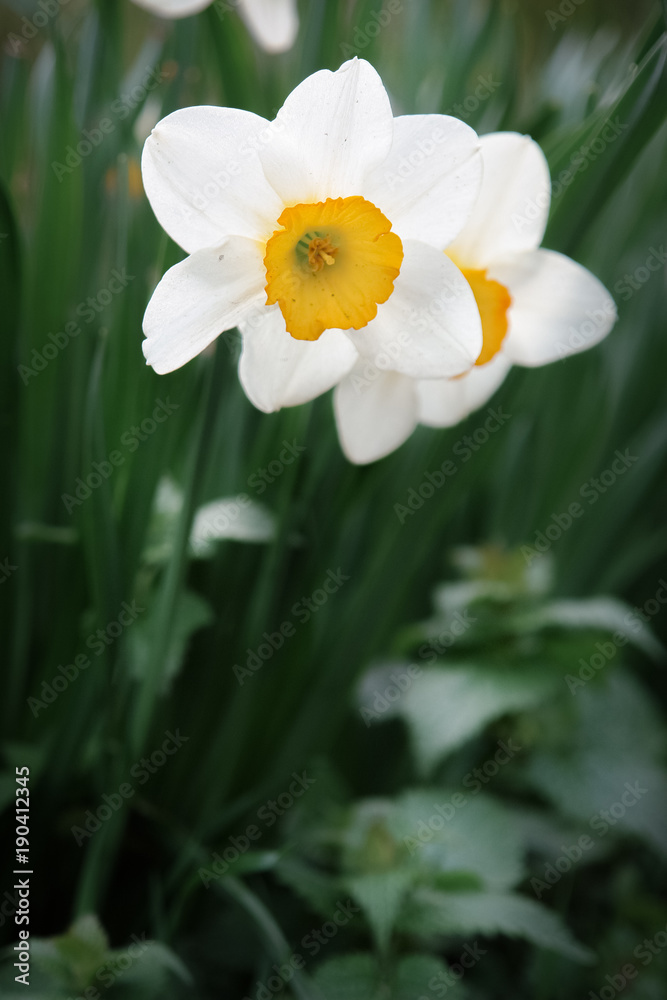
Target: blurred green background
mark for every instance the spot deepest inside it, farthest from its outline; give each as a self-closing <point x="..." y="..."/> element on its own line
<point x="448" y="632"/>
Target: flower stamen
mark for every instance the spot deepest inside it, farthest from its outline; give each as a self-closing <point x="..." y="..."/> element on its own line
<point x="321" y="251"/>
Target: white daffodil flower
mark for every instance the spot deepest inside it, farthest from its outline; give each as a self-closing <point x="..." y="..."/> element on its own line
<point x="320" y="235"/>
<point x="536" y="306"/>
<point x="274" y="24"/>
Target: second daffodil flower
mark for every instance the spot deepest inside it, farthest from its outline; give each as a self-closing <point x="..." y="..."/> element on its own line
<point x="319" y="235"/>
<point x="536" y="306"/>
<point x="274" y="24"/>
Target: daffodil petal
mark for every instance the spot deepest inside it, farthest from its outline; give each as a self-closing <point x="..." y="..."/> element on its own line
<point x="332" y="130"/>
<point x="511" y="213"/>
<point x="430" y="326"/>
<point x="428" y="184"/>
<point x="445" y="402"/>
<point x="273" y="23"/>
<point x="173" y="8"/>
<point x="376" y="411"/>
<point x="559" y="308"/>
<point x="203" y="177"/>
<point x="276" y="370"/>
<point x="207" y="293"/>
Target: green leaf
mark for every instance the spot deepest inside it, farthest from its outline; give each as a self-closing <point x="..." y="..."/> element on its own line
<point x="428" y="834"/>
<point x="617" y="741"/>
<point x="455" y="831"/>
<point x="247" y="864"/>
<point x="456" y="881"/>
<point x="318" y="889"/>
<point x="360" y="977"/>
<point x="432" y="914"/>
<point x="20" y="754"/>
<point x="446" y="706"/>
<point x="416" y="973"/>
<point x="67" y="963"/>
<point x="192" y="613"/>
<point x="84" y="947"/>
<point x="354" y="977"/>
<point x="7" y="789"/>
<point x="639" y="110"/>
<point x="605" y="613"/>
<point x="381" y="895"/>
<point x="151" y="975"/>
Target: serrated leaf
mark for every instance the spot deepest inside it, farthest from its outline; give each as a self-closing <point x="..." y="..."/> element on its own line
<point x="431" y="913"/>
<point x="448" y="598"/>
<point x="445" y="707"/>
<point x="414" y="976"/>
<point x="617" y="741"/>
<point x="605" y="613"/>
<point x="456" y="881"/>
<point x="84" y="947"/>
<point x="359" y="977"/>
<point x="354" y="977"/>
<point x="544" y="834"/>
<point x="381" y="895"/>
<point x="477" y="837"/>
<point x="435" y="831"/>
<point x="67" y="963"/>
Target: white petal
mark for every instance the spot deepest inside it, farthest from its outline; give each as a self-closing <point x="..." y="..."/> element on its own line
<point x="511" y="213"/>
<point x="375" y="411"/>
<point x="430" y="325"/>
<point x="559" y="308"/>
<point x="428" y="184"/>
<point x="196" y="300"/>
<point x="276" y="370"/>
<point x="331" y="131"/>
<point x="273" y="23"/>
<point x="203" y="177"/>
<point x="444" y="402"/>
<point x="173" y="8"/>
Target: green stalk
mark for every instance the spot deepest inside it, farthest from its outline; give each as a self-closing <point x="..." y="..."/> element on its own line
<point x="168" y="596"/>
<point x="303" y="986"/>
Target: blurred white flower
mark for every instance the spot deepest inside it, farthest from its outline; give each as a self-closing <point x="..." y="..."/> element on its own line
<point x="320" y="235"/>
<point x="536" y="306"/>
<point x="238" y="518"/>
<point x="274" y="24"/>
